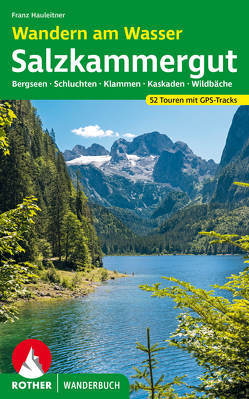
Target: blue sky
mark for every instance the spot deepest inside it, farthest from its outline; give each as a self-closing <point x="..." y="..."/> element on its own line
<point x="203" y="128"/>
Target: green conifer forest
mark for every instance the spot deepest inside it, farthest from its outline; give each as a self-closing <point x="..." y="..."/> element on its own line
<point x="44" y="220"/>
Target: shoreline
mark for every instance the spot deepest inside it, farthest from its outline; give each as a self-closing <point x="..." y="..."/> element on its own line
<point x="176" y="254"/>
<point x="71" y="285"/>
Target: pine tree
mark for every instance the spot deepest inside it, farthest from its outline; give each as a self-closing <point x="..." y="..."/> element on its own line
<point x="145" y="380"/>
<point x="36" y="167"/>
<point x="75" y="244"/>
<point x="52" y="135"/>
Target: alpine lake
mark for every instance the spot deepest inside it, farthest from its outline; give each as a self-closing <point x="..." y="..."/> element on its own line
<point x="98" y="333"/>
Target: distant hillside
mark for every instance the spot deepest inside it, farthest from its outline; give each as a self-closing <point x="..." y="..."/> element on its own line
<point x="116" y="190"/>
<point x="139" y="225"/>
<point x="180" y="232"/>
<point x="173" y="201"/>
<point x="111" y="231"/>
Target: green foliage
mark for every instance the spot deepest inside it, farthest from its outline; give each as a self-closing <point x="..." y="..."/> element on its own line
<point x="172" y="202"/>
<point x="216" y="334"/>
<point x="241" y="184"/>
<point x="178" y="234"/>
<point x="77" y="279"/>
<point x="213" y="328"/>
<point x="104" y="275"/>
<point x="35" y="166"/>
<point x="75" y="243"/>
<point x="114" y="235"/>
<point x="144" y="379"/>
<point x="140" y="224"/>
<point x="6" y="119"/>
<point x="15" y="225"/>
<point x="45" y="248"/>
<point x="52" y="275"/>
<point x="66" y="283"/>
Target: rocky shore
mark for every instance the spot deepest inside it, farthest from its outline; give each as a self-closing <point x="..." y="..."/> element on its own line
<point x="61" y="284"/>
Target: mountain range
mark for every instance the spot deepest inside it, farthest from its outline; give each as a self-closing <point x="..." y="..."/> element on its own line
<point x="78" y="150"/>
<point x="165" y="192"/>
<point x="140" y="174"/>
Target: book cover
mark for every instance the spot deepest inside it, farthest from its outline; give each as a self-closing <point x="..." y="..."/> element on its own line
<point x="124" y="200"/>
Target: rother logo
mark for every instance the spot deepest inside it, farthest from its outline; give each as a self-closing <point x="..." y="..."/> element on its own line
<point x="31" y="358"/>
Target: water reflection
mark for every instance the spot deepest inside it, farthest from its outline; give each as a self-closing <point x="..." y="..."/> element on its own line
<point x="98" y="333"/>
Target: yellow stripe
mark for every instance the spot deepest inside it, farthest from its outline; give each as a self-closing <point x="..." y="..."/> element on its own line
<point x="191" y="99"/>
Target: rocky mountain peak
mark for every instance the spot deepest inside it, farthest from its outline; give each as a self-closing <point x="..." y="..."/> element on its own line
<point x="150" y="144"/>
<point x="79" y="150"/>
<point x="238" y="135"/>
<point x="234" y="164"/>
<point x="183" y="147"/>
<point x="119" y="151"/>
<point x="97" y="150"/>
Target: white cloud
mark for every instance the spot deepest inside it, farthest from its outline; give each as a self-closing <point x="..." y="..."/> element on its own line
<point x="94" y="131"/>
<point x="129" y="136"/>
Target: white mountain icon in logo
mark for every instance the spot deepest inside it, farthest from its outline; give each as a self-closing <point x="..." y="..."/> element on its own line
<point x="31" y="367"/>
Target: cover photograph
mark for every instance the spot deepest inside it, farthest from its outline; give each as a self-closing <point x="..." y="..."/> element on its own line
<point x="124" y="200"/>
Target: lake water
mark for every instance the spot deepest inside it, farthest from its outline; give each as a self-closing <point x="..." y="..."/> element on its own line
<point x="98" y="333"/>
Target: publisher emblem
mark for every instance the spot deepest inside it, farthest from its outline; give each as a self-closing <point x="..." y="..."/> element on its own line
<point x="31" y="358"/>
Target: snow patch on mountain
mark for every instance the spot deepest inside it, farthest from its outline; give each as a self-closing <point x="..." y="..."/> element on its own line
<point x="132" y="167"/>
<point x="138" y="174"/>
<point x="96" y="160"/>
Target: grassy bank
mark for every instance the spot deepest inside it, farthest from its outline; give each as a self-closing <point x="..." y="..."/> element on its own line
<point x="54" y="283"/>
